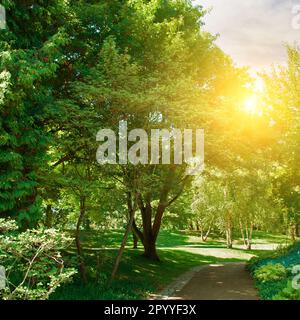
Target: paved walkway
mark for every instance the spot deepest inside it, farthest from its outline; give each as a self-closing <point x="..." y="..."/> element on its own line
<point x="228" y="281"/>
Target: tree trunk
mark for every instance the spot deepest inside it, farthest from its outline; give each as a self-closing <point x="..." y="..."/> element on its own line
<point x="131" y="210"/>
<point x="87" y="224"/>
<point x="243" y="234"/>
<point x="249" y="238"/>
<point x="49" y="216"/>
<point x="150" y="248"/>
<point x="202" y="233"/>
<point x="135" y="240"/>
<point x="229" y="238"/>
<point x="151" y="230"/>
<point x="293" y="232"/>
<point x="207" y="234"/>
<point x="81" y="262"/>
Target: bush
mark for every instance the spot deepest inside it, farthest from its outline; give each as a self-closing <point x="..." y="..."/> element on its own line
<point x="267" y="290"/>
<point x="34" y="265"/>
<point x="288" y="293"/>
<point x="270" y="272"/>
<point x="273" y="273"/>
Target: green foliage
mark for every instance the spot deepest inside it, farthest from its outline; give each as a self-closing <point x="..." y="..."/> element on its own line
<point x="273" y="274"/>
<point x="70" y="68"/>
<point x="288" y="293"/>
<point x="268" y="290"/>
<point x="283" y="92"/>
<point x="30" y="59"/>
<point x="34" y="265"/>
<point x="270" y="272"/>
<point x="137" y="277"/>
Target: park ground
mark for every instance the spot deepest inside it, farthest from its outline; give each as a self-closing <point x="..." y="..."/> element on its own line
<point x="139" y="278"/>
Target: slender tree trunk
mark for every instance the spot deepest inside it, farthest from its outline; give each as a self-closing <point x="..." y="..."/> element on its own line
<point x="135" y="240"/>
<point x="87" y="224"/>
<point x="243" y="234"/>
<point x="229" y="238"/>
<point x="207" y="234"/>
<point x="131" y="210"/>
<point x="137" y="231"/>
<point x="49" y="216"/>
<point x="293" y="232"/>
<point x="81" y="262"/>
<point x="202" y="233"/>
<point x="249" y="240"/>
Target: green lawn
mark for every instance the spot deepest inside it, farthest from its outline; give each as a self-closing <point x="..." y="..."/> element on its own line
<point x="138" y="277"/>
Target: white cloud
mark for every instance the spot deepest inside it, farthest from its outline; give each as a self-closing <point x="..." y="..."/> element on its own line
<point x="253" y="32"/>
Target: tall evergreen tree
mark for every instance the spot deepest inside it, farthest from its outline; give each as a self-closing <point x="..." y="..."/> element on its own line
<point x="30" y="60"/>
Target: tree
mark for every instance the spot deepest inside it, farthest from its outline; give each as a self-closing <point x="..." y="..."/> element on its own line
<point x="283" y="94"/>
<point x="29" y="64"/>
<point x="214" y="202"/>
<point x="163" y="71"/>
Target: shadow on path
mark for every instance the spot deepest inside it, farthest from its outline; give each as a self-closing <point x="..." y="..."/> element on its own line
<point x="224" y="281"/>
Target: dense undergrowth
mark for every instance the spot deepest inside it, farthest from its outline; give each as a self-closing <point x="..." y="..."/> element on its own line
<point x="277" y="275"/>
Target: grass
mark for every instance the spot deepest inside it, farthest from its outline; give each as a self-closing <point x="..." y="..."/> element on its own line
<point x="137" y="276"/>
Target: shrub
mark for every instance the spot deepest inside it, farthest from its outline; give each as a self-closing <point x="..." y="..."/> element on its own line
<point x="34" y="265"/>
<point x="270" y="272"/>
<point x="288" y="293"/>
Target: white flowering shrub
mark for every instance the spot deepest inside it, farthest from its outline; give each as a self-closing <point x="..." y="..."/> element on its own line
<point x="34" y="265"/>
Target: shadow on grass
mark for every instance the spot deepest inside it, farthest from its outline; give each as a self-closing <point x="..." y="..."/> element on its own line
<point x="137" y="276"/>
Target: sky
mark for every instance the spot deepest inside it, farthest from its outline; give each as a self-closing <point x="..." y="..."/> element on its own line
<point x="254" y="32"/>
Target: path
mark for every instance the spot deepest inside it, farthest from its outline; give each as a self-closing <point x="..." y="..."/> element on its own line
<point x="228" y="281"/>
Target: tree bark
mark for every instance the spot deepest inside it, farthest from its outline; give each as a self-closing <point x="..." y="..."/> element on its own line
<point x="150" y="231"/>
<point x="207" y="234"/>
<point x="148" y="235"/>
<point x="49" y="216"/>
<point x="293" y="232"/>
<point x="131" y="210"/>
<point x="229" y="238"/>
<point x="150" y="247"/>
<point x="249" y="238"/>
<point x="135" y="240"/>
<point x="204" y="236"/>
<point x="87" y="224"/>
<point x="202" y="233"/>
<point x="243" y="234"/>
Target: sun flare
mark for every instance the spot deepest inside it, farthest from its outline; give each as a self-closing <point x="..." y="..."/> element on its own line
<point x="250" y="105"/>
